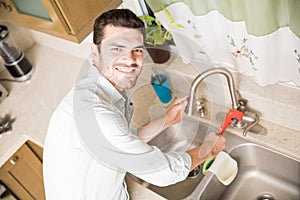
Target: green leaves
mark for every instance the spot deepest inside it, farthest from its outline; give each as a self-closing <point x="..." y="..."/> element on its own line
<point x="168" y="14"/>
<point x="156" y="34"/>
<point x="147" y="18"/>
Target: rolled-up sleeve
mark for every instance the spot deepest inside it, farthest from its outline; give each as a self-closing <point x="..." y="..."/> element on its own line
<point x="177" y="170"/>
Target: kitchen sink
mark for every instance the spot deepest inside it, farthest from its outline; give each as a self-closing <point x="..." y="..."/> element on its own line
<point x="264" y="174"/>
<point x="180" y="137"/>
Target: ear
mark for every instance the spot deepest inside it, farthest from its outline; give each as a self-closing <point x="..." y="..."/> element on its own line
<point x="95" y="55"/>
<point x="94" y="51"/>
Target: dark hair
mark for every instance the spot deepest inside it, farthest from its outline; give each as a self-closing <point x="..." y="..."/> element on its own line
<point x="118" y="18"/>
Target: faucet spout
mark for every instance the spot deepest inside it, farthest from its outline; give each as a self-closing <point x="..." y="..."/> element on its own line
<point x="204" y="75"/>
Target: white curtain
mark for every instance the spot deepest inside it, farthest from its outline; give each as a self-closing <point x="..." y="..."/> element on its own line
<point x="269" y="56"/>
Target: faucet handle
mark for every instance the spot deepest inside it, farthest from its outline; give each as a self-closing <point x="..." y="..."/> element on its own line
<point x="242" y="105"/>
<point x="252" y="119"/>
<point x="200" y="106"/>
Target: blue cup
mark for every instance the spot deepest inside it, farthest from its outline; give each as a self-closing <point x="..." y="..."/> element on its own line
<point x="160" y="84"/>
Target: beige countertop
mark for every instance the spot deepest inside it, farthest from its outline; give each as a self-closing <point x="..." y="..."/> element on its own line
<point x="33" y="102"/>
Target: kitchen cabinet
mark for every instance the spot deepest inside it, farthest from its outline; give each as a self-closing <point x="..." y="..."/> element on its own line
<point x="68" y="19"/>
<point x="22" y="173"/>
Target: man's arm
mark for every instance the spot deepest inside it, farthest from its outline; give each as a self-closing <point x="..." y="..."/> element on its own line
<point x="174" y="114"/>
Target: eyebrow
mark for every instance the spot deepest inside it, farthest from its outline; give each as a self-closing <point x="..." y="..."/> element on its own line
<point x="116" y="45"/>
<point x="122" y="46"/>
<point x="140" y="46"/>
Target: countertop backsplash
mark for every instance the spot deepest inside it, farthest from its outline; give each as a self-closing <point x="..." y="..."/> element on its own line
<point x="81" y="50"/>
<point x="279" y="104"/>
<point x="21" y="36"/>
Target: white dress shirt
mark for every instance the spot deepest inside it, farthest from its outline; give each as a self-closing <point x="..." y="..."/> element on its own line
<point x="89" y="146"/>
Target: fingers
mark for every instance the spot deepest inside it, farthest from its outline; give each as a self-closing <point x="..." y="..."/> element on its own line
<point x="180" y="100"/>
<point x="181" y="107"/>
<point x="183" y="104"/>
<point x="219" y="146"/>
<point x="176" y="112"/>
<point x="221" y="142"/>
<point x="180" y="103"/>
<point x="222" y="139"/>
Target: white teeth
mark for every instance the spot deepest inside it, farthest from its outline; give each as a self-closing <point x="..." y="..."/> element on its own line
<point x="126" y="70"/>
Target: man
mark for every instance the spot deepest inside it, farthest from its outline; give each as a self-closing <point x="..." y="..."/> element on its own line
<point x="89" y="146"/>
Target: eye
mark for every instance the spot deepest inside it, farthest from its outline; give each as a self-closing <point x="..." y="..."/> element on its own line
<point x="116" y="49"/>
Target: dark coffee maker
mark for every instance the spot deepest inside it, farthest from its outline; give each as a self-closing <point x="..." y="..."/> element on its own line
<point x="13" y="59"/>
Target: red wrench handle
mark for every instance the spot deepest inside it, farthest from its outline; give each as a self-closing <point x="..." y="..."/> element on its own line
<point x="230" y="117"/>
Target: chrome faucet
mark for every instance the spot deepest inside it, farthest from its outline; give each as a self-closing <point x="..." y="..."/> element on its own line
<point x="238" y="116"/>
<point x="204" y="75"/>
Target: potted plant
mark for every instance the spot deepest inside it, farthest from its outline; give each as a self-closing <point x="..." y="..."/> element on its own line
<point x="157" y="36"/>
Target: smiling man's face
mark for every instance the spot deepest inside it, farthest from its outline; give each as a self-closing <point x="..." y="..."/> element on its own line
<point x="121" y="56"/>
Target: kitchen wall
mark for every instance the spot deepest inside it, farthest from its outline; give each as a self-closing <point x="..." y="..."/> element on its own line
<point x="22" y="36"/>
<point x="81" y="50"/>
<point x="26" y="38"/>
<point x="279" y="104"/>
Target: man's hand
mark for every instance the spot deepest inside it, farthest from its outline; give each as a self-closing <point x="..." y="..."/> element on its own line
<point x="197" y="160"/>
<point x="218" y="147"/>
<point x="176" y="112"/>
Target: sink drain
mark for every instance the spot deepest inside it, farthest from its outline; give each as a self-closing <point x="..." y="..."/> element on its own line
<point x="265" y="196"/>
<point x="194" y="173"/>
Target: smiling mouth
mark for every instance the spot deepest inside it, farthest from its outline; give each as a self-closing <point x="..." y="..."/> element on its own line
<point x="125" y="69"/>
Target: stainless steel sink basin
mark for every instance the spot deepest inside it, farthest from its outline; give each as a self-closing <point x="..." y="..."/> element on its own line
<point x="263" y="173"/>
<point x="180" y="137"/>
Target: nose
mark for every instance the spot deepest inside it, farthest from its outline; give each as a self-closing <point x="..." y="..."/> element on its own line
<point x="130" y="56"/>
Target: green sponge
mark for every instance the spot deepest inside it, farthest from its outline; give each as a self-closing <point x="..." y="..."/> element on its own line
<point x="207" y="164"/>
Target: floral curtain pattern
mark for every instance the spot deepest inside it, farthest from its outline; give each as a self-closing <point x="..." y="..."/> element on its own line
<point x="243" y="50"/>
<point x="257" y="38"/>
